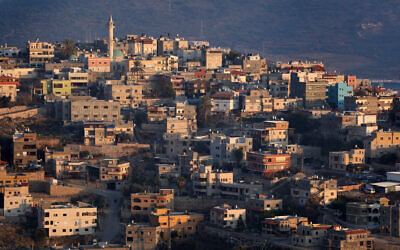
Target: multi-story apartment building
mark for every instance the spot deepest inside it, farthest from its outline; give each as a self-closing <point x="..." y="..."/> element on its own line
<point x="79" y="81"/>
<point x="209" y="182"/>
<point x="24" y="148"/>
<point x="40" y="52"/>
<point x="206" y="180"/>
<point x="270" y="133"/>
<point x="343" y="159"/>
<point x="368" y="104"/>
<point x="142" y="236"/>
<point x="182" y="224"/>
<point x="16" y="200"/>
<point x="254" y="64"/>
<point x="312" y="91"/>
<point x="324" y="191"/>
<point x="142" y="46"/>
<point x="390" y="219"/>
<point x="66" y="220"/>
<point x="10" y="180"/>
<point x="9" y="87"/>
<point x="127" y="95"/>
<point x="224" y="102"/>
<point x="145" y="203"/>
<point x="113" y="170"/>
<point x="282" y="224"/>
<point x="176" y="144"/>
<point x="348" y="239"/>
<point x="263" y="203"/>
<point x="337" y="93"/>
<point x="227" y="216"/>
<point x="222" y="148"/>
<point x="212" y="58"/>
<point x="310" y="235"/>
<point x="180" y="126"/>
<point x="84" y="109"/>
<point x="381" y="143"/>
<point x="362" y="213"/>
<point x="98" y="133"/>
<point x="267" y="163"/>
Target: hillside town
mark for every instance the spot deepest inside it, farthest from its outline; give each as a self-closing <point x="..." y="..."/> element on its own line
<point x="148" y="143"/>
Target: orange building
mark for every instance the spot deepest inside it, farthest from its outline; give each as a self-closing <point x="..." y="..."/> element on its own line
<point x="99" y="64"/>
<point x="181" y="224"/>
<point x="267" y="163"/>
<point x="11" y="180"/>
<point x="145" y="203"/>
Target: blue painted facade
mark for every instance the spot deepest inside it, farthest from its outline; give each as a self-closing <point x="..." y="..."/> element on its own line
<point x="338" y="92"/>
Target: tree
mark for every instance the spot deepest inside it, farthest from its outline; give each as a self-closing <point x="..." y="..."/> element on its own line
<point x="240" y="225"/>
<point x="5" y="101"/>
<point x="67" y="48"/>
<point x="238" y="156"/>
<point x="163" y="88"/>
<point x="203" y="110"/>
<point x="181" y="182"/>
<point x="39" y="236"/>
<point x="137" y="69"/>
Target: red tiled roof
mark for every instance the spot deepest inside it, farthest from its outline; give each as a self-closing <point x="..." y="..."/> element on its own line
<point x="357" y="231"/>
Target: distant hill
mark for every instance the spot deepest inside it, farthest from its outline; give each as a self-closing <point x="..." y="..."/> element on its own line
<point x="350" y="36"/>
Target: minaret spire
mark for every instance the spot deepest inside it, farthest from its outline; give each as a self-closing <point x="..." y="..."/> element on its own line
<point x="111" y="38"/>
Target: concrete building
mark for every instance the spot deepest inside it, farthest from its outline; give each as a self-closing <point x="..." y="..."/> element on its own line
<point x="56" y="87"/>
<point x="9" y="87"/>
<point x="349" y="239"/>
<point x="182" y="224"/>
<point x="224" y="102"/>
<point x="310" y="235"/>
<point x="99" y="64"/>
<point x="282" y="224"/>
<point x="267" y="163"/>
<point x="145" y="203"/>
<point x="40" y="52"/>
<point x="66" y="220"/>
<point x="180" y="126"/>
<point x="86" y="109"/>
<point x="113" y="170"/>
<point x="209" y="182"/>
<point x="167" y="171"/>
<point x="254" y="64"/>
<point x="263" y="203"/>
<point x="363" y="214"/>
<point x="24" y="148"/>
<point x="390" y="219"/>
<point x="227" y="216"/>
<point x="337" y="93"/>
<point x="79" y="81"/>
<point x="311" y="90"/>
<point x="343" y="160"/>
<point x="106" y="133"/>
<point x="142" y="236"/>
<point x="381" y="143"/>
<point x="212" y="58"/>
<point x="10" y="180"/>
<point x="270" y="133"/>
<point x="205" y="179"/>
<point x="324" y="191"/>
<point x="127" y="95"/>
<point x="222" y="148"/>
<point x="15" y="200"/>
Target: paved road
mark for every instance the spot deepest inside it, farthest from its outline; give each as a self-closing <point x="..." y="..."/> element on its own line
<point x="111" y="224"/>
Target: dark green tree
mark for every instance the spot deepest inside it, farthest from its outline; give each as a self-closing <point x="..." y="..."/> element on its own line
<point x="67" y="48"/>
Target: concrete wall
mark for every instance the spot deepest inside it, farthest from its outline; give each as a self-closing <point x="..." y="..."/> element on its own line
<point x="53" y="190"/>
<point x="21" y="114"/>
<point x="114" y="151"/>
<point x="202" y="204"/>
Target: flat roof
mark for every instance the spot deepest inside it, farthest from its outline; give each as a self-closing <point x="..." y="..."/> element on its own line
<point x="385" y="184"/>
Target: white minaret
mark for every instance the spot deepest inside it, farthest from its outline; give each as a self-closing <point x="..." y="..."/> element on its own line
<point x="111" y="38"/>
